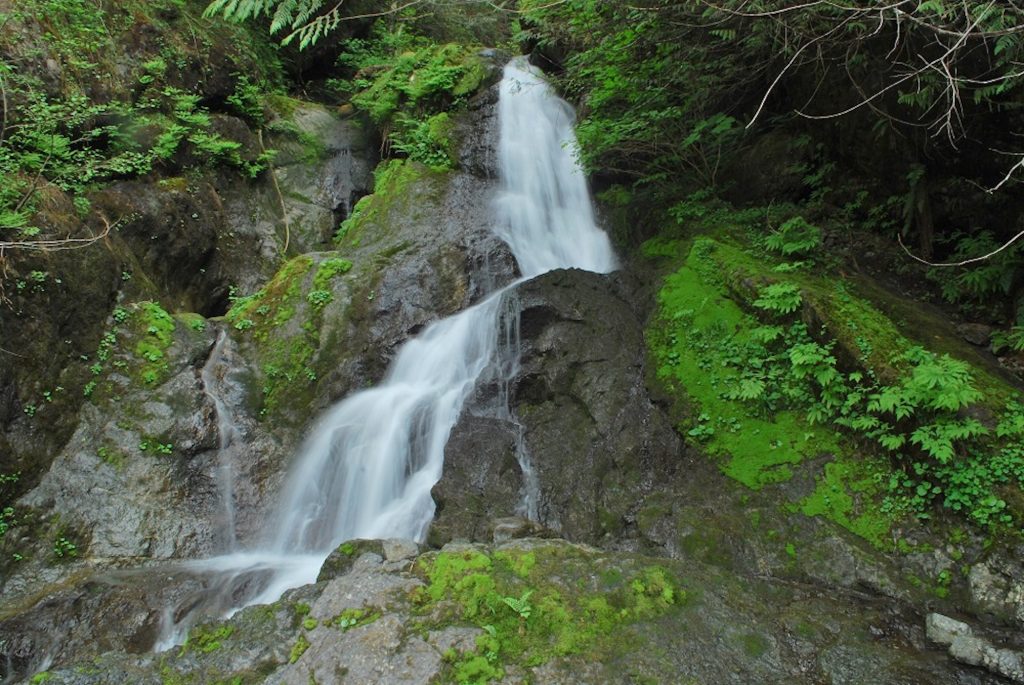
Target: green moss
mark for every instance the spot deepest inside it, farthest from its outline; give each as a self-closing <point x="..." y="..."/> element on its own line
<point x="394" y="181"/>
<point x="177" y="184"/>
<point x="351" y="618"/>
<point x="700" y="324"/>
<point x="695" y="312"/>
<point x="155" y="333"/>
<point x="655" y="248"/>
<point x="328" y="269"/>
<point x="285" y="360"/>
<point x="754" y="644"/>
<point x="283" y="105"/>
<point x="298" y="649"/>
<point x="192" y="321"/>
<point x="521" y="563"/>
<point x="527" y="619"/>
<point x="207" y="638"/>
<point x="847" y="494"/>
<point x="111" y="455"/>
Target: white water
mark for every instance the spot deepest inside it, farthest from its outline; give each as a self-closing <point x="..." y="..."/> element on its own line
<point x="368" y="467"/>
<point x="228" y="435"/>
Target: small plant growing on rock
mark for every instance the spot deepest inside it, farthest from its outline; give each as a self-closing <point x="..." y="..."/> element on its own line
<point x="521" y="605"/>
<point x="64" y="548"/>
<point x="779" y="298"/>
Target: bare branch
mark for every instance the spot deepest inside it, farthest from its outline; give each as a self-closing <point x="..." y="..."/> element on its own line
<point x="58" y="244"/>
<point x="972" y="260"/>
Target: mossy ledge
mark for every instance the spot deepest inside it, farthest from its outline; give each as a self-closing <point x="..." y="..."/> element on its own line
<point x="710" y="340"/>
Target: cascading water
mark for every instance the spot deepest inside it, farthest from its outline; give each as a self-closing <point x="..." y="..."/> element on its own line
<point x="368" y="467"/>
<point x="228" y="434"/>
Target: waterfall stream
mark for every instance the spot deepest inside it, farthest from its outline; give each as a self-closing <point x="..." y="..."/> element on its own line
<point x="227" y="436"/>
<point x="367" y="469"/>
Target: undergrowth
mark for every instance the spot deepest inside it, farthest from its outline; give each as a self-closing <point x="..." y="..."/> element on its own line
<point x="407" y="84"/>
<point x="769" y="385"/>
<point x="525" y="618"/>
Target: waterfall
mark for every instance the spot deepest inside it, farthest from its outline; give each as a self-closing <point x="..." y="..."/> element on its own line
<point x="367" y="469"/>
<point x="227" y="436"/>
<point x="544" y="210"/>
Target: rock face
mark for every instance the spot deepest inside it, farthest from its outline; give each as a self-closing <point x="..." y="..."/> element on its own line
<point x="595" y="440"/>
<point x="482" y="480"/>
<point x="407" y="617"/>
<point x="185" y="242"/>
<point x="595" y="444"/>
<point x="967" y="648"/>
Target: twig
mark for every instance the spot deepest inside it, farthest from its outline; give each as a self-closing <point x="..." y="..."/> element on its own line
<point x="965" y="262"/>
<point x="56" y="245"/>
<point x="280" y="196"/>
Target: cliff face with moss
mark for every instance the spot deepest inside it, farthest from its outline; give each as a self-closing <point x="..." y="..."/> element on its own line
<point x="764" y="450"/>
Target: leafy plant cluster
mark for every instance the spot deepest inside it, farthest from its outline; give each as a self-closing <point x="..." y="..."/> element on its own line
<point x="407" y="84"/>
<point x="76" y="137"/>
<point x="8" y="519"/>
<point x="658" y="102"/>
<point x="989" y="287"/>
<point x="942" y="454"/>
<point x="527" y="624"/>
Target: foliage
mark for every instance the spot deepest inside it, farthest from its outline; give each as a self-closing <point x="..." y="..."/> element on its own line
<point x="981" y="283"/>
<point x="206" y="638"/>
<point x="525" y="618"/>
<point x="649" y="105"/>
<point x="302" y="19"/>
<point x="64" y="549"/>
<point x="781" y="298"/>
<point x="310" y="21"/>
<point x="668" y="90"/>
<point x="920" y="419"/>
<point x="795" y="237"/>
<point x="73" y="137"/>
<point x="407" y="85"/>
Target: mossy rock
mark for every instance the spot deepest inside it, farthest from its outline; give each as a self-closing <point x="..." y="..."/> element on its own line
<point x="340" y="561"/>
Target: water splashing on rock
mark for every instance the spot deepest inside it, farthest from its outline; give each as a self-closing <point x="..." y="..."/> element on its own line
<point x="367" y="469"/>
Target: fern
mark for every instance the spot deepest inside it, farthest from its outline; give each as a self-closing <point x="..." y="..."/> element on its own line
<point x="748" y="389"/>
<point x="239" y="10"/>
<point x="795" y="237"/>
<point x="298" y="17"/>
<point x="782" y="298"/>
<point x="520" y="605"/>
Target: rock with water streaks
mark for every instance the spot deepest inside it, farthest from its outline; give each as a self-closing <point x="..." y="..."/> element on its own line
<point x="596" y="441"/>
<point x="545" y="611"/>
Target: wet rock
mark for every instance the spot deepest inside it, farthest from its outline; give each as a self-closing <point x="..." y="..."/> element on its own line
<point x="596" y="442"/>
<point x="997" y="587"/>
<point x="478" y="133"/>
<point x="968" y="648"/>
<point x="399" y="550"/>
<point x="95" y="612"/>
<point x="341" y="560"/>
<point x="517" y="528"/>
<point x="975" y="333"/>
<point x="322" y="169"/>
<point x="481" y="480"/>
<point x="380" y="622"/>
<point x="943" y="629"/>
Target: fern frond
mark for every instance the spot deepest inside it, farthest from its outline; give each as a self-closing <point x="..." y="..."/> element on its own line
<point x="239" y="10"/>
